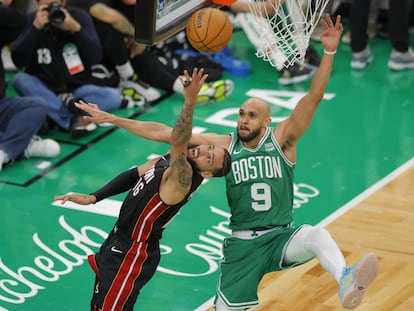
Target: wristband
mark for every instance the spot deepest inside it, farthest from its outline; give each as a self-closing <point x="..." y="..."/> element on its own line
<point x="329" y="52"/>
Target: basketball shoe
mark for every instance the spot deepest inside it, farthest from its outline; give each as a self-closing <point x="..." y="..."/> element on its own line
<point x="296" y="73"/>
<point x="43" y="148"/>
<point x="80" y="127"/>
<point x="312" y="57"/>
<point x="131" y="99"/>
<point x="7" y="60"/>
<point x="215" y="91"/>
<point x="134" y="86"/>
<point x="355" y="280"/>
<point x="360" y="60"/>
<point x="401" y="60"/>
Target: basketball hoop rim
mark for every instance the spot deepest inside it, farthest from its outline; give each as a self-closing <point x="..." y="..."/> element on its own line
<point x="224" y="2"/>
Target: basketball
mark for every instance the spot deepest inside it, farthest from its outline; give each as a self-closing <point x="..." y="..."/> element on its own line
<point x="209" y="30"/>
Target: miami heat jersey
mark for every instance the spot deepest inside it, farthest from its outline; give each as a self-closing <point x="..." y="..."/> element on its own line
<point x="143" y="214"/>
<point x="260" y="185"/>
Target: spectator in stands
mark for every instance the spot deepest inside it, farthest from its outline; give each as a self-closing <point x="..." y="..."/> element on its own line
<point x="20" y="117"/>
<point x="402" y="55"/>
<point x="156" y="71"/>
<point x="57" y="48"/>
<point x="288" y="75"/>
<point x="113" y="29"/>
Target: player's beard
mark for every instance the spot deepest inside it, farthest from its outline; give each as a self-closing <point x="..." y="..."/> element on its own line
<point x="253" y="134"/>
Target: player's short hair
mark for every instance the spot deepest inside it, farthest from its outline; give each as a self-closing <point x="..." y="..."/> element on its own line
<point x="225" y="169"/>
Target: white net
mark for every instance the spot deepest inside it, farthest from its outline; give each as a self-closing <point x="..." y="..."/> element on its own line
<point x="281" y="30"/>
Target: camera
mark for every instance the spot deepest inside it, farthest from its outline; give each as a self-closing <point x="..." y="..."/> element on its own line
<point x="56" y="15"/>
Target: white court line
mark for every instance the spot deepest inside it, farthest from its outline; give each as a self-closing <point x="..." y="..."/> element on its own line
<point x="107" y="207"/>
<point x="358" y="199"/>
<point x="351" y="204"/>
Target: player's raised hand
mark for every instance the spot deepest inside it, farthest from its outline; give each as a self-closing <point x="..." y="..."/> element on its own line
<point x="193" y="85"/>
<point x="332" y="33"/>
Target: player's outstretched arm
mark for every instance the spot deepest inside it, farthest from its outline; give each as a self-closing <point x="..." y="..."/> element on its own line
<point x="154" y="131"/>
<point x="289" y="131"/>
<point x="150" y="130"/>
<point x="121" y="183"/>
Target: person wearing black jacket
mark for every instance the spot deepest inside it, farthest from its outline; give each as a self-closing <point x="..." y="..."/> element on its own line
<point x="114" y="29"/>
<point x="20" y="117"/>
<point x="115" y="18"/>
<point x="57" y="55"/>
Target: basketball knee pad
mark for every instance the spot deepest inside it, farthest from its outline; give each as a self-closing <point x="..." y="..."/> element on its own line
<point x="315" y="238"/>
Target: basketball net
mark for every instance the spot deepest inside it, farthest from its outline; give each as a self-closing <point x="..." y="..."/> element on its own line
<point x="281" y="30"/>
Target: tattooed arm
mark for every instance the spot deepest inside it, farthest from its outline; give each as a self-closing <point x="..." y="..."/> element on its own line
<point x="177" y="179"/>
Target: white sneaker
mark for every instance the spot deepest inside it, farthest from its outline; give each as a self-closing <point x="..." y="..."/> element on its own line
<point x="44" y="148"/>
<point x="360" y="60"/>
<point x="7" y="60"/>
<point x="135" y="85"/>
<point x="4" y="158"/>
<point x="401" y="60"/>
<point x="80" y="127"/>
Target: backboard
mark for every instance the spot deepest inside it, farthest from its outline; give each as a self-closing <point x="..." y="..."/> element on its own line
<point x="157" y="20"/>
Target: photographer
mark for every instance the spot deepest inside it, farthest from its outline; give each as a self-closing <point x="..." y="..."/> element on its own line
<point x="57" y="49"/>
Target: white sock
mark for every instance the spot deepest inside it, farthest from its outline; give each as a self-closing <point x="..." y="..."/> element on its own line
<point x="312" y="241"/>
<point x="125" y="71"/>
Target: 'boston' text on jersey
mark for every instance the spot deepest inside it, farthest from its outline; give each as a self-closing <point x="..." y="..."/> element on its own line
<point x="256" y="167"/>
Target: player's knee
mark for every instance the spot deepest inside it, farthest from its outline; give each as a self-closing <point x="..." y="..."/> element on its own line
<point x="316" y="236"/>
<point x="221" y="307"/>
<point x="320" y="233"/>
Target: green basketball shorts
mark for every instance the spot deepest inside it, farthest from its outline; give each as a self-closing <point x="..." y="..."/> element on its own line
<point x="246" y="261"/>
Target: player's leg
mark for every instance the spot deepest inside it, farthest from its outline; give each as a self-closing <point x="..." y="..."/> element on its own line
<point x="95" y="293"/>
<point x="309" y="242"/>
<point x="312" y="241"/>
<point x="219" y="306"/>
<point x="241" y="269"/>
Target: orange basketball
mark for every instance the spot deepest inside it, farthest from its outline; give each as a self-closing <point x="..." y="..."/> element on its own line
<point x="209" y="30"/>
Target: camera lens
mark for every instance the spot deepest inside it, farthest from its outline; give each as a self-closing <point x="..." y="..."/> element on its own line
<point x="56" y="15"/>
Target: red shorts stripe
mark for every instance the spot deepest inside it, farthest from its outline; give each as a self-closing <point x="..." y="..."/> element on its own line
<point x="128" y="272"/>
<point x="92" y="263"/>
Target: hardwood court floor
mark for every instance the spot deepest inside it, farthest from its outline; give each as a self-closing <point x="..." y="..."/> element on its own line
<point x="384" y="222"/>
